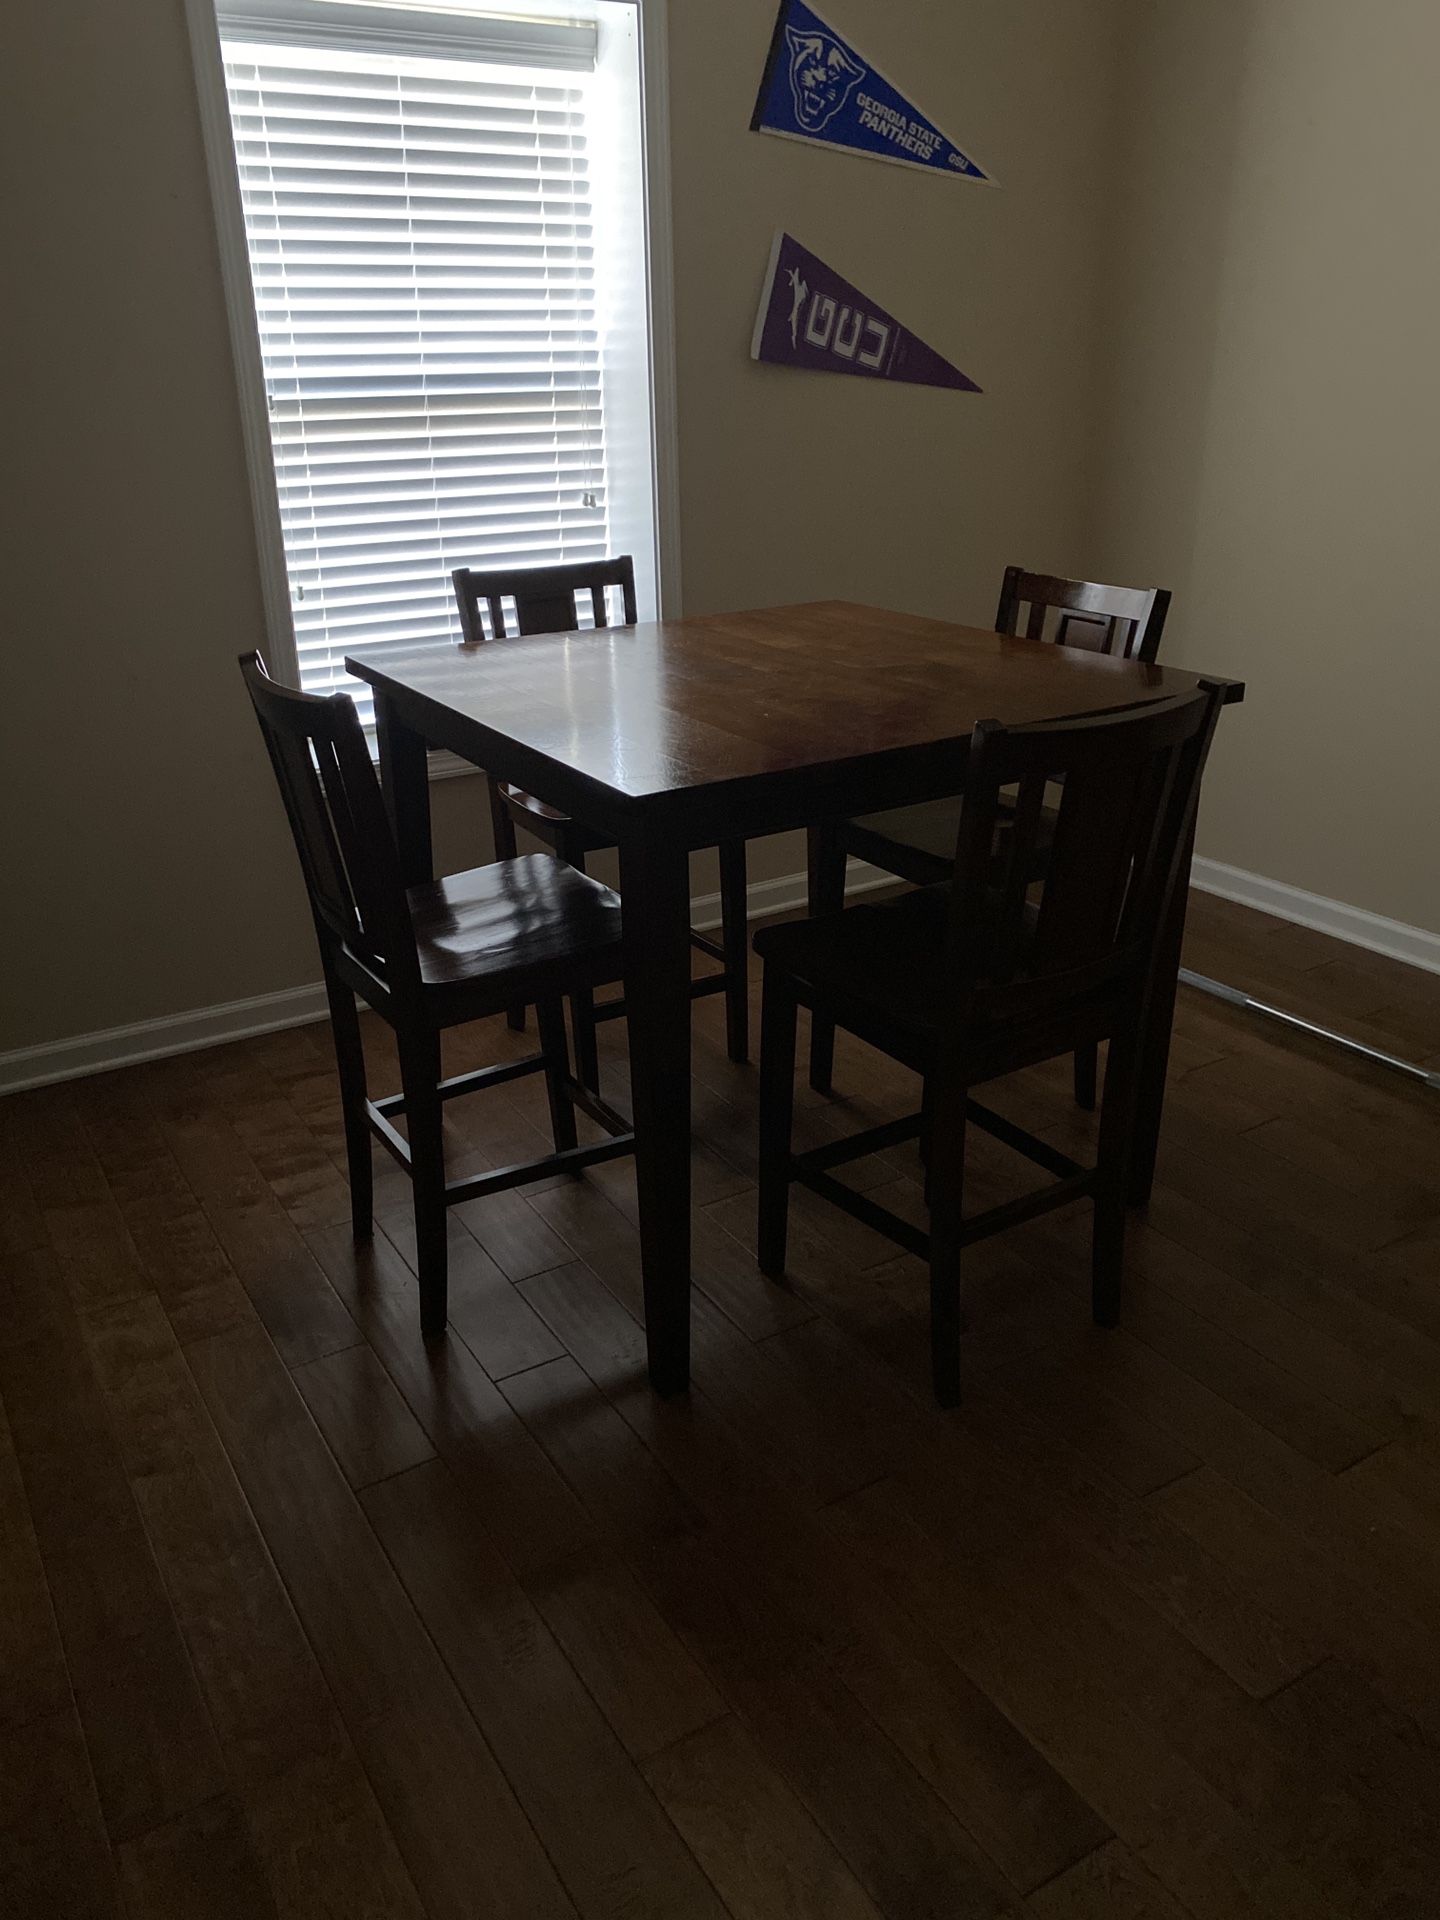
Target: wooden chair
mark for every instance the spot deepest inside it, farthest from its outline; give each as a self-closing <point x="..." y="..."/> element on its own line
<point x="918" y="843"/>
<point x="545" y="602"/>
<point x="982" y="978"/>
<point x="427" y="958"/>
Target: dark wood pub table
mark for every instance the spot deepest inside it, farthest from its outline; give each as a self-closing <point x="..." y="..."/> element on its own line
<point x="678" y="734"/>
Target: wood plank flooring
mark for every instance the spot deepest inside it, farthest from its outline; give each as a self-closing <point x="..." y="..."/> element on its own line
<point x="298" y="1618"/>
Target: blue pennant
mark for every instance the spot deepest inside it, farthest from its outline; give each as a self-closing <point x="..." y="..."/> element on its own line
<point x="817" y="87"/>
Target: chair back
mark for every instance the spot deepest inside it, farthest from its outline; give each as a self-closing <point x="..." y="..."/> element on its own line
<point x="544" y="597"/>
<point x="1032" y="931"/>
<point x="342" y="834"/>
<point x="1126" y="621"/>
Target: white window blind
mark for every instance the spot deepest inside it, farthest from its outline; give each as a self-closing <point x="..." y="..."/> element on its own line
<point x="420" y="240"/>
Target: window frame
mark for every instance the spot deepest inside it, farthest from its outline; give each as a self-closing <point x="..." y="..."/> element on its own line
<point x="245" y="338"/>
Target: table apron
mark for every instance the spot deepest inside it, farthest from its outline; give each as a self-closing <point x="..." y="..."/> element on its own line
<point x="705" y="816"/>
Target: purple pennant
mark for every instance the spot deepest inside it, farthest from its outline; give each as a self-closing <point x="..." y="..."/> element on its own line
<point x="810" y="317"/>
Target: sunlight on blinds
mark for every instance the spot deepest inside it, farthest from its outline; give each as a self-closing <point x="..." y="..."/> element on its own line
<point x="421" y="248"/>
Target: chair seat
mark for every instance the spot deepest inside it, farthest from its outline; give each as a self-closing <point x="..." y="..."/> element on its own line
<point x="884" y="965"/>
<point x="918" y="843"/>
<point x="515" y="915"/>
<point x="888" y="958"/>
<point x="548" y="822"/>
<point x="920" y="839"/>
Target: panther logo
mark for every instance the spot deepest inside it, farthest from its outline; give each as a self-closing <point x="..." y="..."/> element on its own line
<point x="822" y="77"/>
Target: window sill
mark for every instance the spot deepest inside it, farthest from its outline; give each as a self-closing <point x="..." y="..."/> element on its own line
<point x="443" y="765"/>
<point x="440" y="764"/>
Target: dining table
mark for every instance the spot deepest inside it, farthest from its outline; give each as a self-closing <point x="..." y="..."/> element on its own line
<point x="677" y="734"/>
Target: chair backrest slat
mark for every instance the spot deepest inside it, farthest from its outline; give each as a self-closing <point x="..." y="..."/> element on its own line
<point x="1086" y="917"/>
<point x="1126" y="621"/>
<point x="337" y="818"/>
<point x="544" y="597"/>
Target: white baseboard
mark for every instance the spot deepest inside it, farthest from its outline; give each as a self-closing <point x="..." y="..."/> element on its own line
<point x="87" y="1053"/>
<point x="1354" y="925"/>
<point x="791" y="890"/>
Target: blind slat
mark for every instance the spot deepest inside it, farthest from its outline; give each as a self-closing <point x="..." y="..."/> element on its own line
<point x="421" y="253"/>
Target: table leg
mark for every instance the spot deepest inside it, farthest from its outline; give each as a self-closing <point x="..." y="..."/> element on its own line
<point x="655" y="888"/>
<point x="1155" y="1041"/>
<point x="405" y="776"/>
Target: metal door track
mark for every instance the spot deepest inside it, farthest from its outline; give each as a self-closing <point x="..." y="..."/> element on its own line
<point x="1235" y="997"/>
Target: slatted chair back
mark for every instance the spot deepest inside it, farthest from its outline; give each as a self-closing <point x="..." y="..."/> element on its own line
<point x="1125" y="621"/>
<point x="545" y="598"/>
<point x="342" y="835"/>
<point x="1028" y="935"/>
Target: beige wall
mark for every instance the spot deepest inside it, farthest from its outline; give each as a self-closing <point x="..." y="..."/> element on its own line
<point x="144" y="865"/>
<point x="1274" y="407"/>
<point x="146" y="870"/>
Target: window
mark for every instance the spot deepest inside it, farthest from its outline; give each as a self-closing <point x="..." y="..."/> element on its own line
<point x="443" y="219"/>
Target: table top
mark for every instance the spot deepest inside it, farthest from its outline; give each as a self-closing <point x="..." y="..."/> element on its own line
<point x="676" y="705"/>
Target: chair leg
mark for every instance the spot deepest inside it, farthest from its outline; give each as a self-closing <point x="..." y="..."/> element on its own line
<point x="777" y="1104"/>
<point x="350" y="1062"/>
<point x="945" y="1189"/>
<point x="827" y="895"/>
<point x="502" y="832"/>
<point x="582" y="1005"/>
<point x="1117" y="1134"/>
<point x="420" y="1078"/>
<point x="551" y="1019"/>
<point x="1087" y="1073"/>
<point x="735" y="938"/>
<point x="587" y="1053"/>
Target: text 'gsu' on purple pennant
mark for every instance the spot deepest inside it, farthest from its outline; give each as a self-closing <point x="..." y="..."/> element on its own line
<point x="811" y="317"/>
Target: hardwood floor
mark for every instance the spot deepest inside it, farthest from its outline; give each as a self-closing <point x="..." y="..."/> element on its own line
<point x="300" y="1619"/>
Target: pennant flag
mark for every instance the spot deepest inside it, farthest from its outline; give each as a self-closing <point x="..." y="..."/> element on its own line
<point x="817" y="87"/>
<point x="810" y="317"/>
